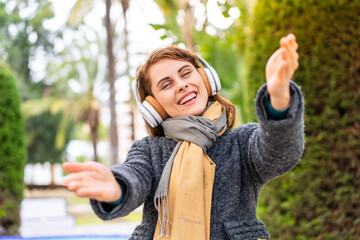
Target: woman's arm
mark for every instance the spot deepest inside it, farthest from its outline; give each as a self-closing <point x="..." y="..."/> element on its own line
<point x="135" y="175"/>
<point x="274" y="147"/>
<point x="277" y="145"/>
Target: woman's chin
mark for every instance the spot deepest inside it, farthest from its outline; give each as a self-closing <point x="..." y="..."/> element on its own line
<point x="195" y="110"/>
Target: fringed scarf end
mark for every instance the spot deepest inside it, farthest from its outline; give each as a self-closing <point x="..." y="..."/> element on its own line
<point x="162" y="206"/>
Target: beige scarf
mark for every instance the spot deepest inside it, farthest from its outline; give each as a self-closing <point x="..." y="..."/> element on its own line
<point x="183" y="199"/>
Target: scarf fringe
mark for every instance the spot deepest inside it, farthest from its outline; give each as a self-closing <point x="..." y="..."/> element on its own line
<point x="162" y="206"/>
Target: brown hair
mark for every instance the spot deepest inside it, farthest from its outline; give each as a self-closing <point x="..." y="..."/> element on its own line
<point x="176" y="53"/>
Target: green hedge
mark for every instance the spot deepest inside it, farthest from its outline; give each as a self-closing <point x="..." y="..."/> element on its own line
<point x="320" y="198"/>
<point x="12" y="153"/>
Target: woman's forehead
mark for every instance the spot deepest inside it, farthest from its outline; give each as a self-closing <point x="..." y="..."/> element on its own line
<point x="168" y="65"/>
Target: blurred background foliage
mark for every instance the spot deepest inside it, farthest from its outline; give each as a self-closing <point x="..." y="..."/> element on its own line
<point x="319" y="199"/>
<point x="12" y="152"/>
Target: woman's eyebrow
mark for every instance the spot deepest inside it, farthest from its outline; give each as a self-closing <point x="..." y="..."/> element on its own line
<point x="163" y="79"/>
<point x="166" y="78"/>
<point x="180" y="69"/>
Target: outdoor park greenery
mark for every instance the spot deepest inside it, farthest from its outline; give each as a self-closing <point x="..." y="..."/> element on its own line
<point x="12" y="153"/>
<point x="319" y="199"/>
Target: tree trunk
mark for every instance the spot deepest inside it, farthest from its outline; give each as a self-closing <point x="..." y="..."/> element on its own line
<point x="52" y="174"/>
<point x="188" y="26"/>
<point x="125" y="7"/>
<point x="94" y="143"/>
<point x="93" y="122"/>
<point x="111" y="77"/>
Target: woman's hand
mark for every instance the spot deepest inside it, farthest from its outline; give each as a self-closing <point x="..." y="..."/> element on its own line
<point x="279" y="70"/>
<point x="92" y="180"/>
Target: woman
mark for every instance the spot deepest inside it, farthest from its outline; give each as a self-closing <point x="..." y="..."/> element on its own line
<point x="197" y="178"/>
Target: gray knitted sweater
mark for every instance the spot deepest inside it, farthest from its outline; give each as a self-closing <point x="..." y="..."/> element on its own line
<point x="246" y="158"/>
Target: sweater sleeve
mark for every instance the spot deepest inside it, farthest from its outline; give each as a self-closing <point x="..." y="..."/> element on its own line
<point x="136" y="175"/>
<point x="276" y="146"/>
<point x="276" y="114"/>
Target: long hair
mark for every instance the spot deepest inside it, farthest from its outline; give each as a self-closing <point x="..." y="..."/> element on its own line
<point x="175" y="53"/>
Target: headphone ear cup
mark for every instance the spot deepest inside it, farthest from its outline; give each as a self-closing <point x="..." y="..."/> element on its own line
<point x="153" y="112"/>
<point x="150" y="109"/>
<point x="214" y="80"/>
<point x="212" y="77"/>
<point x="206" y="80"/>
<point x="212" y="83"/>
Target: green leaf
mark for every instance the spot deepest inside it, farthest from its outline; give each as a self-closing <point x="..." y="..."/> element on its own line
<point x="157" y="26"/>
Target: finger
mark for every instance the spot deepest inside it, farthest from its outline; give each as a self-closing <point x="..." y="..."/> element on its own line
<point x="290" y="55"/>
<point x="293" y="57"/>
<point x="86" y="176"/>
<point x="290" y="43"/>
<point x="281" y="68"/>
<point x="286" y="56"/>
<point x="283" y="71"/>
<point x="292" y="39"/>
<point x="74" y="167"/>
<point x="278" y="70"/>
<point x="82" y="192"/>
<point x="72" y="177"/>
<point x="90" y="193"/>
<point x="294" y="45"/>
<point x="277" y="54"/>
<point x="274" y="61"/>
<point x="275" y="58"/>
<point x="288" y="67"/>
<point x="75" y="185"/>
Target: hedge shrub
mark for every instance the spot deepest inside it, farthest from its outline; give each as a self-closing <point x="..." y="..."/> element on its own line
<point x="320" y="198"/>
<point x="12" y="153"/>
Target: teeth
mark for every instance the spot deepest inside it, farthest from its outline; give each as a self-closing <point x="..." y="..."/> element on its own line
<point x="187" y="98"/>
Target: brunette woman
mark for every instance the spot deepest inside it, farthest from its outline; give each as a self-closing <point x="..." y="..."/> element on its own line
<point x="197" y="178"/>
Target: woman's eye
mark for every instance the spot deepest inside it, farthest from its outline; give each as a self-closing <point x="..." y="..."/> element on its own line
<point x="186" y="73"/>
<point x="165" y="85"/>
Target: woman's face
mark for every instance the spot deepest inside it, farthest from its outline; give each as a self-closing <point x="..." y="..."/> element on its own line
<point x="178" y="87"/>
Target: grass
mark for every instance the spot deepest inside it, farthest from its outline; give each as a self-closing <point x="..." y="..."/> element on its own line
<point x="85" y="221"/>
<point x="133" y="217"/>
<point x="78" y="200"/>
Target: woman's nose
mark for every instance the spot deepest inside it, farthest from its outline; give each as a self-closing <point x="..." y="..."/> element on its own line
<point x="182" y="85"/>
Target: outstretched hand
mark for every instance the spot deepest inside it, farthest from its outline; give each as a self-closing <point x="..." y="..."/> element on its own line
<point x="92" y="180"/>
<point x="279" y="70"/>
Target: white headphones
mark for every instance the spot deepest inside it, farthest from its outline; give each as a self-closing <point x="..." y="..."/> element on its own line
<point x="153" y="112"/>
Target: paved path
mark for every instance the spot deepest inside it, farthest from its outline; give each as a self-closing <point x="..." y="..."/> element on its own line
<point x="45" y="217"/>
<point x="107" y="228"/>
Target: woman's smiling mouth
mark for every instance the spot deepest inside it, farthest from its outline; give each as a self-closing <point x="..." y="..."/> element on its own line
<point x="188" y="98"/>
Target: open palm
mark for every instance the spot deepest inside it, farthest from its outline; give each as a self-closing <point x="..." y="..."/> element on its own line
<point x="93" y="180"/>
